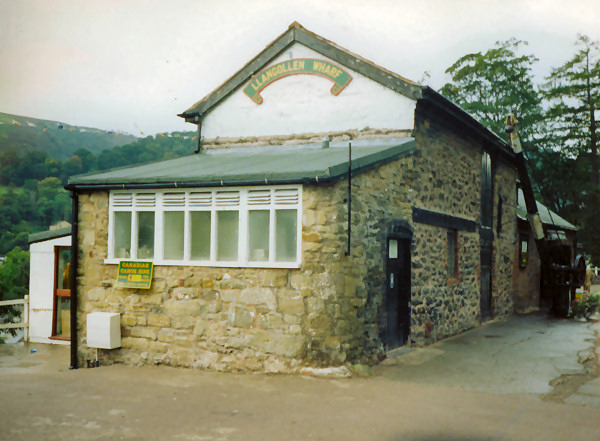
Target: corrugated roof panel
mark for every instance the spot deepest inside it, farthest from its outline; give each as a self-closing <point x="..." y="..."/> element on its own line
<point x="547" y="216"/>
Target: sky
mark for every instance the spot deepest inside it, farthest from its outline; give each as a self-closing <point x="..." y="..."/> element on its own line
<point x="133" y="65"/>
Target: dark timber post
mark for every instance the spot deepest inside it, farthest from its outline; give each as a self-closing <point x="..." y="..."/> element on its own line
<point x="73" y="278"/>
<point x="349" y="195"/>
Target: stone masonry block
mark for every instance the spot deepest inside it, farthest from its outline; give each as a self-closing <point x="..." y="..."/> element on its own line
<point x="182" y="307"/>
<point x="145" y="332"/>
<point x="240" y="317"/>
<point x="201" y="327"/>
<point x="273" y="278"/>
<point x="258" y="296"/>
<point x="159" y="320"/>
<point x="96" y="294"/>
<point x="280" y="344"/>
<point x="291" y="305"/>
<point x="183" y="322"/>
<point x="181" y="293"/>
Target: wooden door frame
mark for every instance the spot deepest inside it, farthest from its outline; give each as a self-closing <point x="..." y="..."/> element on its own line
<point x="56" y="293"/>
<point x="403" y="235"/>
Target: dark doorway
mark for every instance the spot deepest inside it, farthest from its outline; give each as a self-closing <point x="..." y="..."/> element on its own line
<point x="486" y="235"/>
<point x="397" y="293"/>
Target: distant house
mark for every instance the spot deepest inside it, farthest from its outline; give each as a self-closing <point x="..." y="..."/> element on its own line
<point x="278" y="245"/>
<point x="49" y="286"/>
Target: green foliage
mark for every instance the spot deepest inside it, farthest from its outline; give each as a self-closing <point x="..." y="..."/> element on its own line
<point x="25" y="134"/>
<point x="14" y="283"/>
<point x="584" y="306"/>
<point x="556" y="122"/>
<point x="33" y="197"/>
<point x="495" y="83"/>
<point x="14" y="275"/>
<point x="572" y="92"/>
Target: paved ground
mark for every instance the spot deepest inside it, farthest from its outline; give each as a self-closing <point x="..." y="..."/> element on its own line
<point x="487" y="384"/>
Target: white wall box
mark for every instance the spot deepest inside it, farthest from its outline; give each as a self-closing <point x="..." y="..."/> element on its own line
<point x="104" y="330"/>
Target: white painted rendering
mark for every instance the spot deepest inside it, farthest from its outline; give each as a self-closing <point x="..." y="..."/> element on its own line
<point x="304" y="104"/>
<point x="41" y="289"/>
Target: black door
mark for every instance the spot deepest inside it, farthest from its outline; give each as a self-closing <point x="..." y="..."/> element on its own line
<point x="397" y="293"/>
<point x="486" y="235"/>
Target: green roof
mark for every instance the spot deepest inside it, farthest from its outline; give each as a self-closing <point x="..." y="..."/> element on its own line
<point x="49" y="234"/>
<point x="253" y="166"/>
<point x="548" y="217"/>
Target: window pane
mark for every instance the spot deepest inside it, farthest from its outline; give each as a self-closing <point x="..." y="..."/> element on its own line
<point x="227" y="235"/>
<point x="200" y="235"/>
<point x="62" y="325"/>
<point x="145" y="235"/>
<point x="173" y="237"/>
<point x="285" y="235"/>
<point x="258" y="235"/>
<point x="122" y="234"/>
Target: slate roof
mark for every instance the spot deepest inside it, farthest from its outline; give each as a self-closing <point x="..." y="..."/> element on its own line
<point x="253" y="166"/>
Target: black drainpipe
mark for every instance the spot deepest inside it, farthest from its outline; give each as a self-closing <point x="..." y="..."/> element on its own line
<point x="73" y="277"/>
<point x="198" y="119"/>
<point x="349" y="195"/>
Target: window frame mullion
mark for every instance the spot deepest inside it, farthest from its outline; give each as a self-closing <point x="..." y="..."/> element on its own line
<point x="243" y="209"/>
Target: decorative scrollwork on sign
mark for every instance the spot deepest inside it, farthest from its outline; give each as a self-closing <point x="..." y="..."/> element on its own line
<point x="300" y="66"/>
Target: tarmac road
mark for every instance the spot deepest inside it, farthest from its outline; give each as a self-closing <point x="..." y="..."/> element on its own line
<point x="486" y="384"/>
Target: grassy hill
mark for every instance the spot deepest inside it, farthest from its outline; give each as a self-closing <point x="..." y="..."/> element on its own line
<point x="59" y="140"/>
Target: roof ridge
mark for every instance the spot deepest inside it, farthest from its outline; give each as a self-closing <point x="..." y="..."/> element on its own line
<point x="296" y="33"/>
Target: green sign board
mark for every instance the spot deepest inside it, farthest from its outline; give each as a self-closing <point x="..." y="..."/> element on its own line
<point x="135" y="275"/>
<point x="298" y="66"/>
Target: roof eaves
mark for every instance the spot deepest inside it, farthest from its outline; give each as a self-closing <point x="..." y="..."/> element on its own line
<point x="49" y="234"/>
<point x="466" y="118"/>
<point x="272" y="50"/>
<point x="361" y="65"/>
<point x="330" y="174"/>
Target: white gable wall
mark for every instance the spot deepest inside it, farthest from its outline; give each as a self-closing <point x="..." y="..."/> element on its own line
<point x="41" y="289"/>
<point x="304" y="104"/>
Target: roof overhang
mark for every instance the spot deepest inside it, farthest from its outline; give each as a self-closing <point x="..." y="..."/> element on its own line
<point x="49" y="235"/>
<point x="272" y="165"/>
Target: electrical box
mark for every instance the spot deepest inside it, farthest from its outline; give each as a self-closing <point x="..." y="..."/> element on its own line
<point x="104" y="330"/>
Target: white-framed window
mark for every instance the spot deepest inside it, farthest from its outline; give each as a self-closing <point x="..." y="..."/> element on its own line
<point x="236" y="226"/>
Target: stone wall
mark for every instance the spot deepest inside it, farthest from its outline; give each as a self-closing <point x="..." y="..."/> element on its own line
<point x="447" y="179"/>
<point x="526" y="281"/>
<point x="332" y="309"/>
<point x="505" y="239"/>
<point x="270" y="320"/>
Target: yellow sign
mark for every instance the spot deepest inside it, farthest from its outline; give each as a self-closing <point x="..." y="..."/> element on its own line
<point x="306" y="66"/>
<point x="135" y="275"/>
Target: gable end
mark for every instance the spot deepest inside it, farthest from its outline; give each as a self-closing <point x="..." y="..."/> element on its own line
<point x="296" y="33"/>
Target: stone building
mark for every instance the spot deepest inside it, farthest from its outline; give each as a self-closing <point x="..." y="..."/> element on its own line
<point x="278" y="245"/>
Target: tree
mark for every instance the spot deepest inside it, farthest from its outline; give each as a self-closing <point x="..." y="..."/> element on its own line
<point x="492" y="84"/>
<point x="572" y="92"/>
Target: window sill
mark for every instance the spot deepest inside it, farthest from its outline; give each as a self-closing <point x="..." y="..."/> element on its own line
<point x="59" y="337"/>
<point x="283" y="265"/>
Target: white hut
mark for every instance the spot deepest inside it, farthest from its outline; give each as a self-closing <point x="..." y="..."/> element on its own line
<point x="49" y="287"/>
